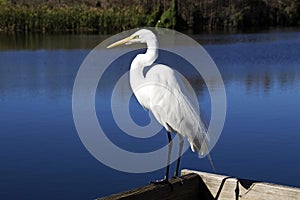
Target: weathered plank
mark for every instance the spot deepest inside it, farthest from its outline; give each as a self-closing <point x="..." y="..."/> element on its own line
<point x="189" y="187"/>
<point x="226" y="187"/>
<point x="207" y="186"/>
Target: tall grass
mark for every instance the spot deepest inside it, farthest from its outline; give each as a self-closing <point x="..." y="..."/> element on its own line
<point x="115" y="16"/>
<point x="73" y="19"/>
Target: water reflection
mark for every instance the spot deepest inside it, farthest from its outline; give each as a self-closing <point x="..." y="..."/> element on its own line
<point x="38" y="72"/>
<point x="36" y="41"/>
<point x="261" y="66"/>
<point x="53" y="72"/>
<point x="266" y="82"/>
<point x="272" y="35"/>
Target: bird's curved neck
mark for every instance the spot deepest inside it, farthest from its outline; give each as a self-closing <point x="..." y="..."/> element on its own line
<point x="141" y="61"/>
<point x="148" y="58"/>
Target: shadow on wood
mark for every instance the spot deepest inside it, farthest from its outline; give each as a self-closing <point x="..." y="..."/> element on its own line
<point x="246" y="184"/>
<point x="188" y="187"/>
<point x="228" y="188"/>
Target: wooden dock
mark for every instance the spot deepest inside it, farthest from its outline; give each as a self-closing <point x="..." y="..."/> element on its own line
<point x="207" y="186"/>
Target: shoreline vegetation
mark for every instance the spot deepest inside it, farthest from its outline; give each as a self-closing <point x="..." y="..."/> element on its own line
<point x="110" y="16"/>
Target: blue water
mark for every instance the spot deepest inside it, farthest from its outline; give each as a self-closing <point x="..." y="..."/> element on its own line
<point x="42" y="156"/>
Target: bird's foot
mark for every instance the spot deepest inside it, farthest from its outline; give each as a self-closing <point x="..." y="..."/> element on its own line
<point x="161" y="182"/>
<point x="180" y="179"/>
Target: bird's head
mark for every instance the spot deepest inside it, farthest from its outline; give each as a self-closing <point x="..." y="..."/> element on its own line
<point x="141" y="36"/>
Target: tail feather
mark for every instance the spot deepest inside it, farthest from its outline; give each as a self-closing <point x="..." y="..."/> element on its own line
<point x="203" y="150"/>
<point x="211" y="162"/>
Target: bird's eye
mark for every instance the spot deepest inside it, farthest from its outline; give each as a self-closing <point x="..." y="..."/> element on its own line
<point x="136" y="37"/>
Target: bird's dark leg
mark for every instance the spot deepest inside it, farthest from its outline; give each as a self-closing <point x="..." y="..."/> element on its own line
<point x="166" y="179"/>
<point x="169" y="154"/>
<point x="181" y="141"/>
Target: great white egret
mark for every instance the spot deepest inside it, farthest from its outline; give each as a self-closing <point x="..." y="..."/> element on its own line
<point x="168" y="95"/>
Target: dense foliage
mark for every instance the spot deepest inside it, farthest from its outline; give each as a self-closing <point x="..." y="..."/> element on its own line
<point x="107" y="16"/>
<point x="67" y="18"/>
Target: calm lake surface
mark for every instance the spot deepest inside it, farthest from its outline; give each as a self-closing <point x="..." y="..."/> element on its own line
<point x="41" y="153"/>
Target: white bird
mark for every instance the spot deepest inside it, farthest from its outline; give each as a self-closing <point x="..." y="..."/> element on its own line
<point x="168" y="95"/>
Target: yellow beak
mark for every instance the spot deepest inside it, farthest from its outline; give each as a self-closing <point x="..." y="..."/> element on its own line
<point x="120" y="42"/>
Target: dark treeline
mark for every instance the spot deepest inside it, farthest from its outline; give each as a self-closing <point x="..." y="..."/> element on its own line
<point x="108" y="16"/>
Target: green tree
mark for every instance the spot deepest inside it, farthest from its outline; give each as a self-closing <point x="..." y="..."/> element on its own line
<point x="171" y="18"/>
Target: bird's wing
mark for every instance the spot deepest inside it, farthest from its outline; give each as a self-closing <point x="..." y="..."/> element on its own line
<point x="174" y="104"/>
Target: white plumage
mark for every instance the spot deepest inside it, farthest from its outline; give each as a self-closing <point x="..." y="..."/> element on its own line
<point x="166" y="93"/>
